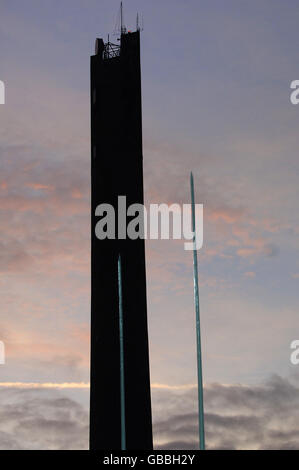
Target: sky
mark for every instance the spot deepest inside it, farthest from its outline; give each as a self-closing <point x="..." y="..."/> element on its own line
<point x="216" y="101"/>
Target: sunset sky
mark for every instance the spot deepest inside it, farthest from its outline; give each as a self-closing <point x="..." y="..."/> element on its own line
<point x="216" y="101"/>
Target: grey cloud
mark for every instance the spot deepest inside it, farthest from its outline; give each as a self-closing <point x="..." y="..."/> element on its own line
<point x="41" y="419"/>
<point x="271" y="250"/>
<point x="178" y="445"/>
<point x="236" y="417"/>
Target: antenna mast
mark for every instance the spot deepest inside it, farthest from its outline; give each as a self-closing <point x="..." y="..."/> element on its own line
<point x="122" y="27"/>
<point x="139" y="22"/>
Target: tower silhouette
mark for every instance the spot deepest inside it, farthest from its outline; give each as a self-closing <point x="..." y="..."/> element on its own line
<point x="117" y="170"/>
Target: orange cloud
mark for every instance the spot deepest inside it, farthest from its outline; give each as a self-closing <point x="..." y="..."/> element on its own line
<point x="65" y="385"/>
<point x="250" y="274"/>
<point x="40" y="186"/>
<point x="228" y="215"/>
<point x="85" y="385"/>
<point x="77" y="194"/>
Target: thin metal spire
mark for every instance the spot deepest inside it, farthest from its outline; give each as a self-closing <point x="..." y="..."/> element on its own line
<point x="121" y="17"/>
<point x="122" y="27"/>
<point x="121" y="351"/>
<point x="198" y="340"/>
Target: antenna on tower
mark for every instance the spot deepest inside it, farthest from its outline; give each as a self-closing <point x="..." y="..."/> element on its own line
<point x="142" y="23"/>
<point x="120" y="28"/>
<point x="123" y="29"/>
<point x="139" y="22"/>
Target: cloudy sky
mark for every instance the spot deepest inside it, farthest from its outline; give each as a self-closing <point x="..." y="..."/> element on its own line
<point x="216" y="100"/>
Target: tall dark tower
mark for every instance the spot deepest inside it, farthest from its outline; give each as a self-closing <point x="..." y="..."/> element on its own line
<point x="117" y="170"/>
